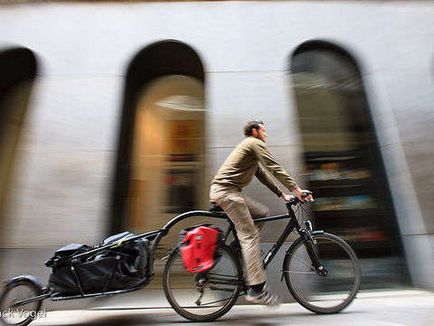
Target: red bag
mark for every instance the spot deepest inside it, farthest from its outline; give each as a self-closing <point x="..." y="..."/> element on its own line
<point x="200" y="247"/>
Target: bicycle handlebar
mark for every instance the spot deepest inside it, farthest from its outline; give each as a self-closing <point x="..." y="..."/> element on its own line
<point x="294" y="200"/>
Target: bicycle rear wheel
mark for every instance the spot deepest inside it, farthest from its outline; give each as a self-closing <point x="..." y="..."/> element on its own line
<point x="203" y="296"/>
<point x="323" y="294"/>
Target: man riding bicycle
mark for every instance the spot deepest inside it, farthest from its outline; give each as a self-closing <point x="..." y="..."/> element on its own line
<point x="251" y="158"/>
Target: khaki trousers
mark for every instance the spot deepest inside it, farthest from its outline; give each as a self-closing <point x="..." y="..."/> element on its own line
<point x="242" y="210"/>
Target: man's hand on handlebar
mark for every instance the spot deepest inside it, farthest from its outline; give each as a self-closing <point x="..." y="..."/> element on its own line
<point x="302" y="195"/>
<point x="286" y="197"/>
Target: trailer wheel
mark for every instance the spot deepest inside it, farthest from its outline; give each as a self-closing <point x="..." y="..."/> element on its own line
<point x="14" y="310"/>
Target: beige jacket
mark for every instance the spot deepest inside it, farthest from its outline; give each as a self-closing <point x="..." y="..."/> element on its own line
<point x="252" y="158"/>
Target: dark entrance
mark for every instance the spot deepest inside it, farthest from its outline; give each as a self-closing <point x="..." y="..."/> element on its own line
<point x="343" y="161"/>
<point x="17" y="73"/>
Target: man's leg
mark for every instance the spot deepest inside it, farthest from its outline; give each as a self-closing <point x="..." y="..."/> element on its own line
<point x="257" y="210"/>
<point x="236" y="208"/>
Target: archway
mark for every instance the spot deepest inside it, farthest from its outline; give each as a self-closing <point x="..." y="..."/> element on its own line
<point x="18" y="68"/>
<point x="343" y="160"/>
<point x="161" y="161"/>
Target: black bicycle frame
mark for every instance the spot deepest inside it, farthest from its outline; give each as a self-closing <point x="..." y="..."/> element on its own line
<point x="292" y="224"/>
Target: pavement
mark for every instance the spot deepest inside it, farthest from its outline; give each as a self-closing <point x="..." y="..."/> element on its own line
<point x="379" y="308"/>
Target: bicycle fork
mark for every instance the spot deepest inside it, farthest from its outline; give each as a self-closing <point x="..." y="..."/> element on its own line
<point x="310" y="244"/>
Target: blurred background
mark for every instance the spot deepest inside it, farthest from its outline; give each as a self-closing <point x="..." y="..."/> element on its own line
<point x="116" y="115"/>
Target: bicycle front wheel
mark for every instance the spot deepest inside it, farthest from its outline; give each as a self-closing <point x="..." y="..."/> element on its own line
<point x="203" y="296"/>
<point x="328" y="293"/>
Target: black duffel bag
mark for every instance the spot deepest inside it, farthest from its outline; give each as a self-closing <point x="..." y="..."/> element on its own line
<point x="123" y="267"/>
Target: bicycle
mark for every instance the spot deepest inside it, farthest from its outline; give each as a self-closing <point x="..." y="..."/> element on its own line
<point x="321" y="271"/>
<point x="21" y="297"/>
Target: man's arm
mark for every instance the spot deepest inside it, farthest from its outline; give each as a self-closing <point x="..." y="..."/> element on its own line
<point x="265" y="179"/>
<point x="270" y="164"/>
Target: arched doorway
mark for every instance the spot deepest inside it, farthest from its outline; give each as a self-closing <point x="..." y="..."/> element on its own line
<point x="343" y="160"/>
<point x="167" y="167"/>
<point x="161" y="158"/>
<point x="18" y="68"/>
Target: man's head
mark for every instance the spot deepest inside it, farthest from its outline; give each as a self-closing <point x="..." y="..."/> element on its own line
<point x="255" y="128"/>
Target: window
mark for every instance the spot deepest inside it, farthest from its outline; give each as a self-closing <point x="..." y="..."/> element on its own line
<point x="343" y="161"/>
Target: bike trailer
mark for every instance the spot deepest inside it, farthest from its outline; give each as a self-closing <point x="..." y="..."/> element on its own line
<point x="200" y="247"/>
<point x="123" y="266"/>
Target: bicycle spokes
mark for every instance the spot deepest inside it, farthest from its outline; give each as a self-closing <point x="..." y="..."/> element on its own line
<point x="206" y="295"/>
<point x="327" y="289"/>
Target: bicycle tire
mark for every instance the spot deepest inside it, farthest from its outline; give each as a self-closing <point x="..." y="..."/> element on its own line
<point x="36" y="289"/>
<point x="174" y="256"/>
<point x="289" y="274"/>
